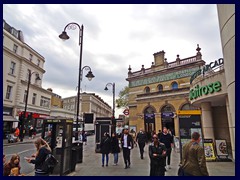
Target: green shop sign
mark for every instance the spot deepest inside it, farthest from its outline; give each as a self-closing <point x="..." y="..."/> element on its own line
<point x="163" y="77"/>
<point x="204" y="90"/>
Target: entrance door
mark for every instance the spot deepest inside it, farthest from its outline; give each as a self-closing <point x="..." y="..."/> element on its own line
<point x="169" y="124"/>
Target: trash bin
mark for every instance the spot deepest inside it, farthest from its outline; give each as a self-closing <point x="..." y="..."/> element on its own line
<point x="73" y="159"/>
<point x="78" y="146"/>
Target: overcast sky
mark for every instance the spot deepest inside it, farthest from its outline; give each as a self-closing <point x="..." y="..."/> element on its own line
<point x="115" y="36"/>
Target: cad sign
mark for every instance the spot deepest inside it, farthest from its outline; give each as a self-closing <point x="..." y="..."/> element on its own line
<point x="126" y="112"/>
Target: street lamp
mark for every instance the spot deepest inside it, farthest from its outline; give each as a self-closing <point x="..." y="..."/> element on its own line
<point x="64" y="36"/>
<point x="113" y="112"/>
<point x="89" y="76"/>
<point x="26" y="101"/>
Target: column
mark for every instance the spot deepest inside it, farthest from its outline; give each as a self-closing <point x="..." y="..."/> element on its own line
<point x="231" y="125"/>
<point x="207" y="120"/>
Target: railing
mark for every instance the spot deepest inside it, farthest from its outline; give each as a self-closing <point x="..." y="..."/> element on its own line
<point x="169" y="65"/>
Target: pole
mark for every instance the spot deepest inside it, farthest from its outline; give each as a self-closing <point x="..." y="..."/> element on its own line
<point x="79" y="77"/>
<point x="25" y="108"/>
<point x="113" y="119"/>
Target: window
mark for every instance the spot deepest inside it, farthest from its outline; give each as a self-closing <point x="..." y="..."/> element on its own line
<point x="37" y="78"/>
<point x="45" y="102"/>
<point x="38" y="62"/>
<point x="147" y="89"/>
<point x="174" y="85"/>
<point x="34" y="98"/>
<point x="160" y="88"/>
<point x="25" y="96"/>
<point x="28" y="74"/>
<point x="30" y="57"/>
<point x="15" y="47"/>
<point x="12" y="67"/>
<point x="14" y="32"/>
<point x="9" y="92"/>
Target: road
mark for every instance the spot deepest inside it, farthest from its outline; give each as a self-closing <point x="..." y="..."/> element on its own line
<point x="23" y="150"/>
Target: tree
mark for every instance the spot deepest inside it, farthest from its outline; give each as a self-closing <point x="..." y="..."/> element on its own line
<point x="122" y="101"/>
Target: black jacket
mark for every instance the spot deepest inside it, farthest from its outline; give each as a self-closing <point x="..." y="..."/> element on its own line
<point x="105" y="145"/>
<point x="159" y="159"/>
<point x="129" y="141"/>
<point x="141" y="137"/>
<point x="166" y="139"/>
<point x="115" y="145"/>
<point x="40" y="158"/>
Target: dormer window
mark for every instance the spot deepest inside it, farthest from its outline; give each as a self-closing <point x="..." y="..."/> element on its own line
<point x="174" y="85"/>
<point x="147" y="89"/>
<point x="160" y="88"/>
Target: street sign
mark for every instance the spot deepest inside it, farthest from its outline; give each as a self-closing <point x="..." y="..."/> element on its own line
<point x="126" y="112"/>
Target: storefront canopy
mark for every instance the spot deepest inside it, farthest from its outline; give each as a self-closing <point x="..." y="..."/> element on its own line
<point x="10" y="118"/>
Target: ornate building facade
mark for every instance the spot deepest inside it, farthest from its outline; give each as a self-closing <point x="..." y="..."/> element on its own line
<point x="157" y="93"/>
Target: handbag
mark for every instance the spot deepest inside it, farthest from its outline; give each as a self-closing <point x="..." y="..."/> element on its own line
<point x="180" y="171"/>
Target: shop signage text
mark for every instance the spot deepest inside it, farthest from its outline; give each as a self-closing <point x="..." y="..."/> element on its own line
<point x="163" y="77"/>
<point x="206" y="68"/>
<point x="204" y="90"/>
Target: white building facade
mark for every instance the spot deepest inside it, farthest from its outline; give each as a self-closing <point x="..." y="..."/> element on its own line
<point x="19" y="60"/>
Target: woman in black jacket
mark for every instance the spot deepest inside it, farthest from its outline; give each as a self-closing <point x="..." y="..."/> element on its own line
<point x="157" y="153"/>
<point x="43" y="150"/>
<point x="105" y="147"/>
<point x="115" y="148"/>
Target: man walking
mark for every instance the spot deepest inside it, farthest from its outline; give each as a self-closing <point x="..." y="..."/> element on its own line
<point x="141" y="140"/>
<point x="193" y="158"/>
<point x="127" y="145"/>
<point x="167" y="139"/>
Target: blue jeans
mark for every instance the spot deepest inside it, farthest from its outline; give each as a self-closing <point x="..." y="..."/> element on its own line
<point x="103" y="157"/>
<point x="115" y="156"/>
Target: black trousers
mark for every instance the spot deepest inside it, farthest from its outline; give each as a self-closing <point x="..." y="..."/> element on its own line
<point x="126" y="156"/>
<point x="141" y="148"/>
<point x="168" y="156"/>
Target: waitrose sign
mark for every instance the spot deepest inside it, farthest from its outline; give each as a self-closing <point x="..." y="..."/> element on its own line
<point x="205" y="90"/>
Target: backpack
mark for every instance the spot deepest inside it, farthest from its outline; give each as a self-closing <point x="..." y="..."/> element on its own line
<point x="49" y="163"/>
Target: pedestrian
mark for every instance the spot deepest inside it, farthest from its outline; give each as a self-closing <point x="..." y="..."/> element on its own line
<point x="115" y="148"/>
<point x="133" y="134"/>
<point x="43" y="149"/>
<point x="12" y="168"/>
<point x="84" y="136"/>
<point x="30" y="133"/>
<point x="159" y="133"/>
<point x="127" y="145"/>
<point x="105" y="147"/>
<point x="157" y="153"/>
<point x="167" y="140"/>
<point x="17" y="133"/>
<point x="193" y="158"/>
<point x="141" y="140"/>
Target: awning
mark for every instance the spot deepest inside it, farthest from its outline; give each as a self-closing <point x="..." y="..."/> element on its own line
<point x="10" y="119"/>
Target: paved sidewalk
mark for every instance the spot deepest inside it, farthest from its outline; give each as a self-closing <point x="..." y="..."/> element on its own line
<point x="91" y="165"/>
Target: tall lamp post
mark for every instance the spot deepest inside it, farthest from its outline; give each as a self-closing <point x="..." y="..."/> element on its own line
<point x="64" y="36"/>
<point x="26" y="101"/>
<point x="113" y="112"/>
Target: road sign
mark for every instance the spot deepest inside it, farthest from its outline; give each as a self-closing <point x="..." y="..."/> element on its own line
<point x="126" y="112"/>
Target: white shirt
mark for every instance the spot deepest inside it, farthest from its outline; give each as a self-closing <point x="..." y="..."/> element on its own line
<point x="125" y="140"/>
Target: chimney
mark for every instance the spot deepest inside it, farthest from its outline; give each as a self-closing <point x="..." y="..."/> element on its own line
<point x="159" y="58"/>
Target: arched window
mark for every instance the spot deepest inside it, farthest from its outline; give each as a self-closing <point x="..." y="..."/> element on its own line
<point x="174" y="85"/>
<point x="189" y="106"/>
<point x="160" y="88"/>
<point x="147" y="89"/>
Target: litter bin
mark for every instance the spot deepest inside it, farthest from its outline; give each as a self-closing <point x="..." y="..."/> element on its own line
<point x="78" y="146"/>
<point x="73" y="159"/>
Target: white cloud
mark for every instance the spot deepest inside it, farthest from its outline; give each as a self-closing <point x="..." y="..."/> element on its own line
<point x="115" y="36"/>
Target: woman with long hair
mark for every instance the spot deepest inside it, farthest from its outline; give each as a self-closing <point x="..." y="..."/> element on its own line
<point x="12" y="168"/>
<point x="43" y="149"/>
